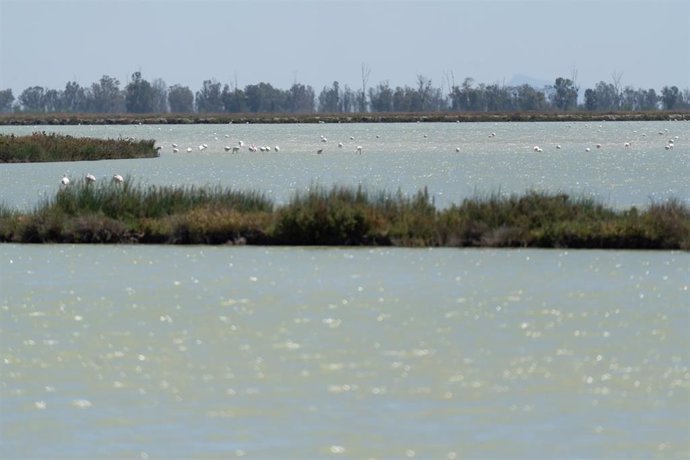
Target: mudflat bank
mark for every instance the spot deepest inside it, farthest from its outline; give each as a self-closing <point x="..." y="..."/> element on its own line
<point x="387" y="117"/>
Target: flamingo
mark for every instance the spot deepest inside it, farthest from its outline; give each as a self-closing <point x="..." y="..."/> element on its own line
<point x="118" y="179"/>
<point x="90" y="178"/>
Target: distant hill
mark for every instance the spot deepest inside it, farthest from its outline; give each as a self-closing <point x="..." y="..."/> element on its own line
<point x="519" y="80"/>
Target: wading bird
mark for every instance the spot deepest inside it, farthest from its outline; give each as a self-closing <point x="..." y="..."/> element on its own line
<point x="118" y="179"/>
<point x="90" y="178"/>
<point x="65" y="180"/>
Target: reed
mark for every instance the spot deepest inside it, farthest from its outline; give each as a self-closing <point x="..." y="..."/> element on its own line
<point x="132" y="213"/>
<point x="42" y="147"/>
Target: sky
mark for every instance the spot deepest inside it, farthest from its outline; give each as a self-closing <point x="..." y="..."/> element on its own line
<point x="645" y="43"/>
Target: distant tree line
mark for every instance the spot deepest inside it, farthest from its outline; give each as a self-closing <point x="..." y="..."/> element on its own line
<point x="142" y="96"/>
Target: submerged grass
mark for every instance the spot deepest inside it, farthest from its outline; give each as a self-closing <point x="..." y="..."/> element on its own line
<point x="42" y="147"/>
<point x="131" y="213"/>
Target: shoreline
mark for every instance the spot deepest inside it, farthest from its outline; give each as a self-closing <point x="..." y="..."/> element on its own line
<point x="47" y="119"/>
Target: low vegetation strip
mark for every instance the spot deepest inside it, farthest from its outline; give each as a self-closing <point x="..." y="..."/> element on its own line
<point x="129" y="213"/>
<point x="40" y="147"/>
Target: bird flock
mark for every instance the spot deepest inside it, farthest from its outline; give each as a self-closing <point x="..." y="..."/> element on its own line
<point x="240" y="145"/>
<point x="90" y="178"/>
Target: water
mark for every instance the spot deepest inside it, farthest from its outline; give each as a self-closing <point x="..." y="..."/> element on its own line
<point x="231" y="352"/>
<point x="198" y="352"/>
<point x="397" y="156"/>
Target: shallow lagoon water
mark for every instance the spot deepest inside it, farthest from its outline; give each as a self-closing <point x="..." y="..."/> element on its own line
<point x="224" y="352"/>
<point x="198" y="352"/>
<point x="396" y="156"/>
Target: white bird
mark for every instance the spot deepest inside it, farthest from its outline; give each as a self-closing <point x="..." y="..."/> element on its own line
<point x="90" y="178"/>
<point x="118" y="179"/>
<point x="189" y="149"/>
<point x="457" y="149"/>
<point x="359" y="149"/>
<point x="174" y="146"/>
<point x="627" y="144"/>
<point x="352" y="138"/>
<point x="175" y="150"/>
<point x="340" y="144"/>
<point x="240" y="143"/>
<point x="537" y="148"/>
<point x="558" y="146"/>
<point x="598" y="146"/>
<point x="235" y="149"/>
<point x="65" y="180"/>
<point x="587" y="149"/>
<point x="323" y="139"/>
<point x="227" y="148"/>
<point x="276" y="148"/>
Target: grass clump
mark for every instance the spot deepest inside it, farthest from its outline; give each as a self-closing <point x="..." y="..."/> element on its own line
<point x="41" y="147"/>
<point x="127" y="212"/>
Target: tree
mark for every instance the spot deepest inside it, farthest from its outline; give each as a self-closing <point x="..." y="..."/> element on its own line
<point x="52" y="100"/>
<point x="208" y="99"/>
<point x="139" y="95"/>
<point x="564" y="96"/>
<point x="381" y="98"/>
<point x="608" y="98"/>
<point x="300" y="99"/>
<point x="32" y="99"/>
<point x="670" y="97"/>
<point x="264" y="98"/>
<point x="160" y="95"/>
<point x="590" y="100"/>
<point x="106" y="97"/>
<point x="6" y="99"/>
<point x="329" y="99"/>
<point x="529" y="99"/>
<point x="234" y="101"/>
<point x="651" y="100"/>
<point x="73" y="98"/>
<point x="349" y="100"/>
<point x="181" y="99"/>
<point x="366" y="71"/>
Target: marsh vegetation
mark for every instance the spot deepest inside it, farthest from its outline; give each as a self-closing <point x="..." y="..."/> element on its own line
<point x="40" y="147"/>
<point x="130" y="213"/>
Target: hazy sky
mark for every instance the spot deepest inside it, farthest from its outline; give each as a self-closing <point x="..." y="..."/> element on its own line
<point x="50" y="42"/>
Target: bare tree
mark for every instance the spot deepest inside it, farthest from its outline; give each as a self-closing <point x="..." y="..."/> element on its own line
<point x="366" y="71"/>
<point x="616" y="79"/>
